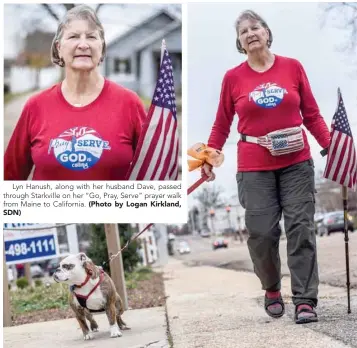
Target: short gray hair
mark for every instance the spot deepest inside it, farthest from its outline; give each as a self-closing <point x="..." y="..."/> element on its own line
<point x="249" y="14"/>
<point x="78" y="12"/>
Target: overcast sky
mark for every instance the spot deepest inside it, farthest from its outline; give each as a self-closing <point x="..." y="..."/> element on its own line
<point x="298" y="34"/>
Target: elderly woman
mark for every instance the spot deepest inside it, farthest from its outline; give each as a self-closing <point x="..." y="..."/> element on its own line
<point x="272" y="97"/>
<point x="84" y="128"/>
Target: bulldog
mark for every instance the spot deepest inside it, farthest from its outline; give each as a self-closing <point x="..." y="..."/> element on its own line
<point x="91" y="290"/>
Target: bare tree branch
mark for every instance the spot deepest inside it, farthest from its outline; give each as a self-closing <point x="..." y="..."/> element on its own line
<point x="98" y="7"/>
<point x="50" y="11"/>
<point x="347" y="13"/>
<point x="209" y="197"/>
<point x="352" y="5"/>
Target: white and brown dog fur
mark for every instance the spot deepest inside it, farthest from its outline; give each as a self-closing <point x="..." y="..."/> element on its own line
<point x="83" y="275"/>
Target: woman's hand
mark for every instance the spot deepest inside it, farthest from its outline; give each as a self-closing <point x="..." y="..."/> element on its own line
<point x="207" y="171"/>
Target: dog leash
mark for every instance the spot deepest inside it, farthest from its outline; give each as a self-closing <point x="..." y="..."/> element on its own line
<point x="190" y="190"/>
<point x="202" y="154"/>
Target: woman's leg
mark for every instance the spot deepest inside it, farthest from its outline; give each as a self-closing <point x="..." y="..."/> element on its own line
<point x="257" y="193"/>
<point x="297" y="192"/>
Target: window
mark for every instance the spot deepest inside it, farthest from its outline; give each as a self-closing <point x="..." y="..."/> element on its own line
<point x="122" y="66"/>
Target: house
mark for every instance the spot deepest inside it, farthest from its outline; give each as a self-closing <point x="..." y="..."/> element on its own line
<point x="133" y="59"/>
<point x="149" y="250"/>
<point x="220" y="222"/>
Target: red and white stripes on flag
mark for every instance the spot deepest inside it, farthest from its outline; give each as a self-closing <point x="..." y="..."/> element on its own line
<point x="341" y="165"/>
<point x="156" y="157"/>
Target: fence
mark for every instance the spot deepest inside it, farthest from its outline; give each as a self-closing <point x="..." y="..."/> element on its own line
<point x="23" y="79"/>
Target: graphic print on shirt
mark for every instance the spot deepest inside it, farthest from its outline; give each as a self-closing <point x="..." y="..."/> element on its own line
<point x="78" y="148"/>
<point x="268" y="95"/>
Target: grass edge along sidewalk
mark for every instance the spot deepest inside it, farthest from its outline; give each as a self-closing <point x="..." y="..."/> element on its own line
<point x="145" y="289"/>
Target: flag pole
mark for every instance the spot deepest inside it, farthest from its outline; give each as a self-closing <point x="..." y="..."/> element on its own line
<point x="163" y="47"/>
<point x="345" y="212"/>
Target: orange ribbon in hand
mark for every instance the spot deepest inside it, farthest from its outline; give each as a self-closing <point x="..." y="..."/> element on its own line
<point x="204" y="154"/>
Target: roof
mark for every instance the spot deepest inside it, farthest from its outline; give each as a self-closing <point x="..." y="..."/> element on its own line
<point x="158" y="35"/>
<point x="168" y="13"/>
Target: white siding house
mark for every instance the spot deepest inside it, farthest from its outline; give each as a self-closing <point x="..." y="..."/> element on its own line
<point x="133" y="59"/>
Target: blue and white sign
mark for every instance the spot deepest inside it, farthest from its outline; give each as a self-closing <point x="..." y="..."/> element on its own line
<point x="28" y="244"/>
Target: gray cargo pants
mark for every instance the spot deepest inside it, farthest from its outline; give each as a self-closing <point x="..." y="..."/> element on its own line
<point x="266" y="195"/>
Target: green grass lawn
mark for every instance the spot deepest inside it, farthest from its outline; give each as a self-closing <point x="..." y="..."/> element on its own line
<point x="38" y="298"/>
<point x="8" y="97"/>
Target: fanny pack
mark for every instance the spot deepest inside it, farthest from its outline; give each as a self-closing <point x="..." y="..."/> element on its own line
<point x="280" y="142"/>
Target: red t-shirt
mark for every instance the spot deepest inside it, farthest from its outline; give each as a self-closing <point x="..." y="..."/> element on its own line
<point x="278" y="98"/>
<point x="63" y="142"/>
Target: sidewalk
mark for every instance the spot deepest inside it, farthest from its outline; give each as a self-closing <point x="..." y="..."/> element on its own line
<point x="208" y="307"/>
<point x="212" y="307"/>
<point x="148" y="330"/>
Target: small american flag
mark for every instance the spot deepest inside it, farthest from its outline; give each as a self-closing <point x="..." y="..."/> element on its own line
<point x="341" y="165"/>
<point x="156" y="157"/>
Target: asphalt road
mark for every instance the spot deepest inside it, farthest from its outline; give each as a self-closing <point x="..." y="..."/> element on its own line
<point x="331" y="257"/>
<point x="333" y="318"/>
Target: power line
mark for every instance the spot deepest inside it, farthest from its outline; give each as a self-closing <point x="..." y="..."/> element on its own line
<point x="36" y="228"/>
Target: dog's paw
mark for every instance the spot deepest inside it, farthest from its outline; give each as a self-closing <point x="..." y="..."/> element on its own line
<point x="114" y="331"/>
<point x="88" y="336"/>
<point x="94" y="326"/>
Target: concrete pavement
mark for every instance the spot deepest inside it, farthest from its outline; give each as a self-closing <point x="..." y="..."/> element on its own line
<point x="212" y="307"/>
<point x="148" y="330"/>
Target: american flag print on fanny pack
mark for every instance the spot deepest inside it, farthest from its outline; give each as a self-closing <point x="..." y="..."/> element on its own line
<point x="282" y="142"/>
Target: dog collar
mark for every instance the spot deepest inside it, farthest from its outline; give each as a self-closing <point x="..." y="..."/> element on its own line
<point x="84" y="283"/>
<point x="101" y="277"/>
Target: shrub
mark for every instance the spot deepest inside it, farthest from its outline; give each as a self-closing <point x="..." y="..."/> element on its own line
<point x="144" y="270"/>
<point x="98" y="251"/>
<point x="22" y="283"/>
<point x="38" y="282"/>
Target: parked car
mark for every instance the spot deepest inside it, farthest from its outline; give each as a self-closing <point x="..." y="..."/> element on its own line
<point x="334" y="222"/>
<point x="52" y="265"/>
<point x="205" y="234"/>
<point x="317" y="222"/>
<point x="184" y="248"/>
<point x="220" y="243"/>
<point x="36" y="271"/>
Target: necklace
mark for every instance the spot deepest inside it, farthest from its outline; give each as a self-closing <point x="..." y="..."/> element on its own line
<point x="77" y="105"/>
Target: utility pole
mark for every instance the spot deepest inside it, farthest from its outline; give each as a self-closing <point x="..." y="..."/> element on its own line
<point x="6" y="300"/>
<point x="228" y="210"/>
<point x="27" y="269"/>
<point x="116" y="265"/>
<point x="212" y="215"/>
<point x="146" y="252"/>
